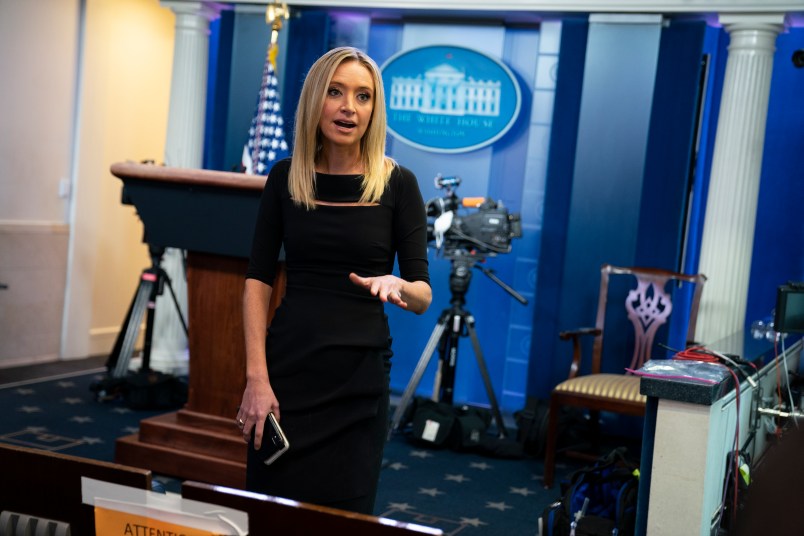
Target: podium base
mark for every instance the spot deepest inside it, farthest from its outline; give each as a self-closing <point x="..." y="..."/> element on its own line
<point x="187" y="445"/>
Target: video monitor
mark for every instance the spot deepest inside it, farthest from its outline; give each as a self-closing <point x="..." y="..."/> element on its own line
<point x="789" y="317"/>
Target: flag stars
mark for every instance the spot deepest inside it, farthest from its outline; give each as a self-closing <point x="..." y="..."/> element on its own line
<point x="72" y="400"/>
<point x="483" y="466"/>
<point x="460" y="479"/>
<point x="262" y="134"/>
<point x="121" y="410"/>
<point x="81" y="419"/>
<point x="397" y="466"/>
<point x="29" y="409"/>
<point x="66" y="384"/>
<point x="420" y="454"/>
<point x="91" y="440"/>
<point x="400" y="507"/>
<point x="25" y="392"/>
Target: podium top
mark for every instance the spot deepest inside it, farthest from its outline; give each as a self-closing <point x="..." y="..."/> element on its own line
<point x="193" y="209"/>
<point x="206" y="177"/>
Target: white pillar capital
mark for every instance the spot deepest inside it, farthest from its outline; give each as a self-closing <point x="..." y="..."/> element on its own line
<point x="190" y="9"/>
<point x="753" y="21"/>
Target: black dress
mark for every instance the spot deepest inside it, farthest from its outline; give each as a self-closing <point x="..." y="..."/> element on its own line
<point x="328" y="345"/>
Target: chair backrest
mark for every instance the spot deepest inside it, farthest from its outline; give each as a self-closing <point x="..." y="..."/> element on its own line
<point x="648" y="306"/>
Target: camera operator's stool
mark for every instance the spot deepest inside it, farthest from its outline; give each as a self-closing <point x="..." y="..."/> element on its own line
<point x="152" y="283"/>
<point x="453" y="323"/>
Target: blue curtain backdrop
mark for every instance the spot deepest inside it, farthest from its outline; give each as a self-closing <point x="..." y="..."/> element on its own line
<point x="640" y="200"/>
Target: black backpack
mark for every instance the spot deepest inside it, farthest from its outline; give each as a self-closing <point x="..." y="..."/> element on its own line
<point x="600" y="499"/>
<point x="442" y="425"/>
<point x="532" y="420"/>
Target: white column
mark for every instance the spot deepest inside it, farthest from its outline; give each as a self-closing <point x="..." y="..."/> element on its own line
<point x="183" y="148"/>
<point x="731" y="205"/>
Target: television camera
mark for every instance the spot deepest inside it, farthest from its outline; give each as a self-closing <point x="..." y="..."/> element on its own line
<point x="466" y="240"/>
<point x="486" y="232"/>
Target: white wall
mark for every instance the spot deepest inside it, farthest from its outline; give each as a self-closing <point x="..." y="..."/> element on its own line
<point x="74" y="101"/>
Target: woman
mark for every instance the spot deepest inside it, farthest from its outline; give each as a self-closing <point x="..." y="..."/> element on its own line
<point x="342" y="210"/>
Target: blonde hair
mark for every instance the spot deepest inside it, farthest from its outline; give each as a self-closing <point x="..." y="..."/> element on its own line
<point x="377" y="166"/>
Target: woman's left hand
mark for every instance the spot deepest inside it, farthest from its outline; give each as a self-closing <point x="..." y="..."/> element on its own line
<point x="414" y="296"/>
<point x="386" y="287"/>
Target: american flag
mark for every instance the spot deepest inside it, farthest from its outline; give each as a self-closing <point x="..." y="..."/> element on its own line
<point x="266" y="137"/>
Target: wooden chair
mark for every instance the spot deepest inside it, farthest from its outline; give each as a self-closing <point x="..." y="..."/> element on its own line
<point x="648" y="306"/>
<point x="46" y="487"/>
<point x="273" y="515"/>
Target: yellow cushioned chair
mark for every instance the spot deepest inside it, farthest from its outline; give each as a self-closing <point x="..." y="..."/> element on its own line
<point x="648" y="306"/>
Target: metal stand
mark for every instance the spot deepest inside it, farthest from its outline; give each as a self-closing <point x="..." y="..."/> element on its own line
<point x="152" y="283"/>
<point x="455" y="322"/>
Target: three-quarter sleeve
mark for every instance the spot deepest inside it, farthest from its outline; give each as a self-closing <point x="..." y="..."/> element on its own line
<point x="410" y="227"/>
<point x="268" y="229"/>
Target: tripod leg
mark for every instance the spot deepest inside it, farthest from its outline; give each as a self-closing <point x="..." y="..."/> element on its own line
<point x="481" y="363"/>
<point x="114" y="356"/>
<point x="166" y="278"/>
<point x="132" y="327"/>
<point x="444" y="383"/>
<point x="150" y="315"/>
<point x="421" y="366"/>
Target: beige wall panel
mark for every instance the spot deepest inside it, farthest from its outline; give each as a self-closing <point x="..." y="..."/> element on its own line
<point x="123" y="116"/>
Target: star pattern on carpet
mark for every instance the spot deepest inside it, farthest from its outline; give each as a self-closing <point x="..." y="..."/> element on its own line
<point x="501" y="506"/>
<point x="432" y="492"/>
<point x="521" y="491"/>
<point x="402" y="507"/>
<point x="461" y="493"/>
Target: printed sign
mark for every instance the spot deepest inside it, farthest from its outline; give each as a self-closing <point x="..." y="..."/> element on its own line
<point x="449" y="99"/>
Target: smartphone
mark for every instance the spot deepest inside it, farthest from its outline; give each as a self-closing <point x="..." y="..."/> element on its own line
<point x="274" y="441"/>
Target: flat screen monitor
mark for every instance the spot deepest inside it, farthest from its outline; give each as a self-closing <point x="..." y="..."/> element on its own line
<point x="789" y="317"/>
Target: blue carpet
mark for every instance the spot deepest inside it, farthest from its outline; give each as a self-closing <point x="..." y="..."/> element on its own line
<point x="460" y="493"/>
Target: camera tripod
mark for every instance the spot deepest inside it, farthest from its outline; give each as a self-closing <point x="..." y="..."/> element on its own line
<point x="151" y="285"/>
<point x="453" y="323"/>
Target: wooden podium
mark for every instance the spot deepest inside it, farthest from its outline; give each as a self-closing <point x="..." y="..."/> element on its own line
<point x="210" y="214"/>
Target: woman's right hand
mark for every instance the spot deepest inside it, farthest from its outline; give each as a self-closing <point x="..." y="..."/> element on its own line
<point x="258" y="401"/>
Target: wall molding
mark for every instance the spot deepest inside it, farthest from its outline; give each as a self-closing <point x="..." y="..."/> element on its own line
<point x="563" y="6"/>
<point x="33" y="226"/>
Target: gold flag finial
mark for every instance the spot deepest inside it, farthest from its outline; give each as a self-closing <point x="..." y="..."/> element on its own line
<point x="275" y="14"/>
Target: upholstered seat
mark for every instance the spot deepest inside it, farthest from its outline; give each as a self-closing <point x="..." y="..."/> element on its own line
<point x="614" y="387"/>
<point x="648" y="306"/>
